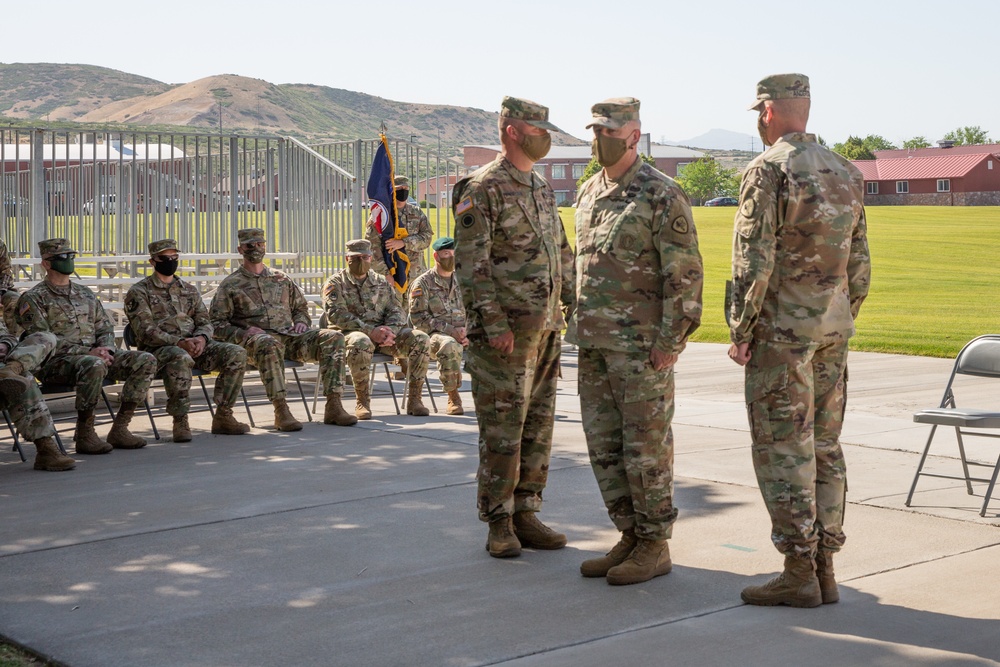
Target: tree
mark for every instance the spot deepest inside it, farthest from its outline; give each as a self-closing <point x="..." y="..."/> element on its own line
<point x="706" y="178"/>
<point x="856" y="148"/>
<point x="969" y="136"/>
<point x="916" y="142"/>
<point x="592" y="168"/>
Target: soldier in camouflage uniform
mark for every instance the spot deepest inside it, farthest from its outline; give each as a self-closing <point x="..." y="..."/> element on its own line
<point x="515" y="269"/>
<point x="639" y="279"/>
<point x="85" y="354"/>
<point x="170" y="320"/>
<point x="261" y="309"/>
<point x="8" y="295"/>
<point x="801" y="270"/>
<point x="361" y="303"/>
<point x="436" y="307"/>
<point x="20" y="395"/>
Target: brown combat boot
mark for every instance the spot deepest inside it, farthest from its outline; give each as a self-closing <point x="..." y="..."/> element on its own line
<point x="13" y="384"/>
<point x="224" y="423"/>
<point x="48" y="456"/>
<point x="87" y="441"/>
<point x="598" y="567"/>
<point x="182" y="431"/>
<point x="363" y="409"/>
<point x="649" y="558"/>
<point x="119" y="436"/>
<point x="797" y="586"/>
<point x="414" y="405"/>
<point x="824" y="574"/>
<point x="334" y="413"/>
<point x="454" y="404"/>
<point x="534" y="534"/>
<point x="502" y="542"/>
<point x="283" y="419"/>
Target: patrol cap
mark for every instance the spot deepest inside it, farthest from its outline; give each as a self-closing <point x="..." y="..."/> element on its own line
<point x="615" y="112"/>
<point x="401" y="182"/>
<point x="530" y="112"/>
<point x="359" y="247"/>
<point x="251" y="235"/>
<point x="156" y="247"/>
<point x="50" y="247"/>
<point x="444" y="243"/>
<point x="780" y="87"/>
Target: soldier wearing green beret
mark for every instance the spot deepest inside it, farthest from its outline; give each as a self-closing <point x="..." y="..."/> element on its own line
<point x="801" y="270"/>
<point x="515" y="270"/>
<point x="639" y="281"/>
<point x="85" y="353"/>
<point x="436" y="308"/>
<point x="170" y="320"/>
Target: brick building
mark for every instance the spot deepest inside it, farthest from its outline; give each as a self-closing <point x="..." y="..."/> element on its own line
<point x="966" y="178"/>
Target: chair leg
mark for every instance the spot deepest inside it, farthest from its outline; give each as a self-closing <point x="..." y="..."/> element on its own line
<point x="430" y="393"/>
<point x="208" y="399"/>
<point x="246" y="404"/>
<point x="302" y="394"/>
<point x="59" y="442"/>
<point x="392" y="389"/>
<point x="107" y="404"/>
<point x="965" y="463"/>
<point x="989" y="489"/>
<point x="920" y="466"/>
<point x="152" y="422"/>
<point x="13" y="432"/>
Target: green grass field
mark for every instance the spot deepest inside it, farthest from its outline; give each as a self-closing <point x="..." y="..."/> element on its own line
<point x="935" y="277"/>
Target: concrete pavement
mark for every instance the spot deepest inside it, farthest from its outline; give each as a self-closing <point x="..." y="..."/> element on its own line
<point x="361" y="546"/>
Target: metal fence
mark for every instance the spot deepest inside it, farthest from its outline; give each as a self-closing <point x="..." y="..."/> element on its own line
<point x="110" y="193"/>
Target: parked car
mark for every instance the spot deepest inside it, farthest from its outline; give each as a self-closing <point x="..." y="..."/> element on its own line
<point x="106" y="205"/>
<point x="722" y="201"/>
<point x="175" y="205"/>
<point x="240" y="203"/>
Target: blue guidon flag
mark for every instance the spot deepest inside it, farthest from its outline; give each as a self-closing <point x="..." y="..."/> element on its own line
<point x="382" y="204"/>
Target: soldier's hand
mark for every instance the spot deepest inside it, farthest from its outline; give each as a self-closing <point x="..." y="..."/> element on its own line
<point x="299" y="327"/>
<point x="740" y="353"/>
<point x="4" y="349"/>
<point x="661" y="360"/>
<point x="253" y="331"/>
<point x="392" y="245"/>
<point x="102" y="353"/>
<point x="504" y="342"/>
<point x="390" y="338"/>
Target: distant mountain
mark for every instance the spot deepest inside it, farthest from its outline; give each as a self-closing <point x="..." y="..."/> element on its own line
<point x="720" y="140"/>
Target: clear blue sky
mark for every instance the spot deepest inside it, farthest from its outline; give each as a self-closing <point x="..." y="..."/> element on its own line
<point x="890" y="67"/>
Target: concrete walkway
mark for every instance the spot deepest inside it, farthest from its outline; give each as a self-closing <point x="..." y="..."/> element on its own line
<point x="361" y="546"/>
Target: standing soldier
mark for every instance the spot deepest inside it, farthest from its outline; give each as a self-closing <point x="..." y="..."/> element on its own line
<point x="85" y="354"/>
<point x="514" y="268"/>
<point x="8" y="295"/>
<point x="801" y="270"/>
<point x="436" y="307"/>
<point x="639" y="279"/>
<point x="264" y="311"/>
<point x="360" y="303"/>
<point x="170" y="320"/>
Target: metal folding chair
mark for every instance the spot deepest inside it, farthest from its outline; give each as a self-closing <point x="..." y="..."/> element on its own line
<point x="17" y="440"/>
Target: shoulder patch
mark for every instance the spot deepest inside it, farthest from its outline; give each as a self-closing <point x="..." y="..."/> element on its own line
<point x="680" y="225"/>
<point x="749" y="207"/>
<point x="463" y="206"/>
<point x="24" y="307"/>
<point x="415" y="292"/>
<point x="132" y="305"/>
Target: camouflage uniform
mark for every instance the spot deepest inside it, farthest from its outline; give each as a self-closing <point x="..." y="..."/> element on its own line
<point x="8" y="295"/>
<point x="30" y="415"/>
<point x="78" y="320"/>
<point x="639" y="282"/>
<point x="418" y="240"/>
<point x="164" y="314"/>
<point x="515" y="269"/>
<point x="801" y="270"/>
<point x="436" y="307"/>
<point x="272" y="302"/>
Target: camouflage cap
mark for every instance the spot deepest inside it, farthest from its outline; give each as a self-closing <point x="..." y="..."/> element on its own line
<point x="401" y="182"/>
<point x="444" y="243"/>
<point x="530" y="112"/>
<point x="780" y="87"/>
<point x="359" y="247"/>
<point x="615" y="112"/>
<point x="50" y="247"/>
<point x="251" y="235"/>
<point x="156" y="247"/>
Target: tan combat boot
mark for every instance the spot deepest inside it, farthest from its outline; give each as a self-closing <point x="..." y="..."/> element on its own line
<point x="334" y="413"/>
<point x="824" y="574"/>
<point x="182" y="431"/>
<point x="650" y="558"/>
<point x="454" y="404"/>
<point x="598" y="567"/>
<point x="797" y="586"/>
<point x="534" y="534"/>
<point x="224" y="423"/>
<point x="13" y="384"/>
<point x="48" y="456"/>
<point x="87" y="441"/>
<point x="415" y="406"/>
<point x="363" y="409"/>
<point x="119" y="436"/>
<point x="502" y="542"/>
<point x="283" y="419"/>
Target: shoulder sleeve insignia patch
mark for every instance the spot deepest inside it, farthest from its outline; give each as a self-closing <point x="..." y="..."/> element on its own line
<point x="680" y="225"/>
<point x="463" y="206"/>
<point x="24" y="307"/>
<point x="415" y="292"/>
<point x="749" y="207"/>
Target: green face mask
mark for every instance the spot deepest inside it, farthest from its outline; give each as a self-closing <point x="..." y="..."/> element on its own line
<point x="254" y="255"/>
<point x="608" y="150"/>
<point x="63" y="266"/>
<point x="446" y="263"/>
<point x="536" y="146"/>
<point x="358" y="266"/>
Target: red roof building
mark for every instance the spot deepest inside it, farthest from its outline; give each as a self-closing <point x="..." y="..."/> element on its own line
<point x="932" y="178"/>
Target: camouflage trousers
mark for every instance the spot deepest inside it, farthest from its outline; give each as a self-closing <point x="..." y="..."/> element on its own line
<point x="410" y="343"/>
<point x="174" y="365"/>
<point x="448" y="353"/>
<point x="627" y="408"/>
<point x="796" y="395"/>
<point x="88" y="373"/>
<point x="267" y="352"/>
<point x="31" y="415"/>
<point x="8" y="300"/>
<point x="515" y="398"/>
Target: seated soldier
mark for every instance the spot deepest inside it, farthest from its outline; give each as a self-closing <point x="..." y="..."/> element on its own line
<point x="361" y="303"/>
<point x="8" y="295"/>
<point x="436" y="307"/>
<point x="264" y="311"/>
<point x="170" y="320"/>
<point x="85" y="353"/>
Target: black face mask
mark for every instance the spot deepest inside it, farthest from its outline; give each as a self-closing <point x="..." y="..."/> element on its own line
<point x="401" y="195"/>
<point x="167" y="267"/>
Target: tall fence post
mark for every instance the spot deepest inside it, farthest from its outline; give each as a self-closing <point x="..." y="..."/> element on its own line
<point x="356" y="197"/>
<point x="37" y="190"/>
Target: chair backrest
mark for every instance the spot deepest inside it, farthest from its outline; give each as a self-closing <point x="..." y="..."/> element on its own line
<point x="128" y="337"/>
<point x="981" y="357"/>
